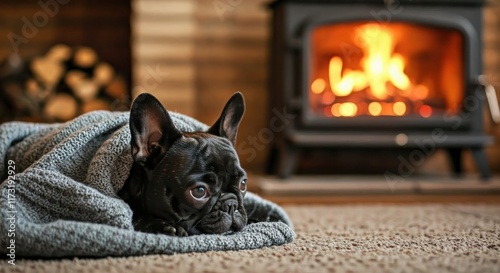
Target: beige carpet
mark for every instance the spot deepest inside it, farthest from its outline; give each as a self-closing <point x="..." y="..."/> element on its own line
<point x="364" y="238"/>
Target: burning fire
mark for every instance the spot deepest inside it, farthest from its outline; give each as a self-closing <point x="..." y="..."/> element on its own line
<point x="381" y="75"/>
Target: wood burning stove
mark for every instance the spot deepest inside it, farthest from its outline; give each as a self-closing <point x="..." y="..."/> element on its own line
<point x="378" y="75"/>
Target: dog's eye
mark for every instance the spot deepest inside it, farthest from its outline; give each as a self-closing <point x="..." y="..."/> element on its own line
<point x="199" y="192"/>
<point x="243" y="185"/>
<point x="154" y="148"/>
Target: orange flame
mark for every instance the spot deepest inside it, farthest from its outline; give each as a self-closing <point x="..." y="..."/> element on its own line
<point x="379" y="64"/>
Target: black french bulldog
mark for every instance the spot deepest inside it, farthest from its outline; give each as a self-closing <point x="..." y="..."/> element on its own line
<point x="185" y="183"/>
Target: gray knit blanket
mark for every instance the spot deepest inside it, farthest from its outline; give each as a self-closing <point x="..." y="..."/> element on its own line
<point x="59" y="194"/>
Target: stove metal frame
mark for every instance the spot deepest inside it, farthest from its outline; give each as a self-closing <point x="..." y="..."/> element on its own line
<point x="292" y="24"/>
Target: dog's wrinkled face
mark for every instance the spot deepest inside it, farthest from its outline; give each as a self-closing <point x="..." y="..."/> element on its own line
<point x="206" y="189"/>
<point x="185" y="183"/>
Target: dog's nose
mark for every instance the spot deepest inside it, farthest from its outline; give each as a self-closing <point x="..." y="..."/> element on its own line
<point x="230" y="206"/>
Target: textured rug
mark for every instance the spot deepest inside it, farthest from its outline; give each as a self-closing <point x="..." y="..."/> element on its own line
<point x="362" y="238"/>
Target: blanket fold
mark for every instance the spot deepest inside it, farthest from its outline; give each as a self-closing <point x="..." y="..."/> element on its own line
<point x="58" y="195"/>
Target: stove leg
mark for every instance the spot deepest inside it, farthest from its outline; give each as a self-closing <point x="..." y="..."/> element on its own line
<point x="481" y="162"/>
<point x="288" y="160"/>
<point x="456" y="160"/>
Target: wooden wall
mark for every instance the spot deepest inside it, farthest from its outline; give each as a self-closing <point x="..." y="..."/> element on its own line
<point x="164" y="33"/>
<point x="231" y="55"/>
<point x="491" y="60"/>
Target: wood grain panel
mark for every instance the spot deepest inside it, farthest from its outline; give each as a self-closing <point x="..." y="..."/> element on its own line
<point x="163" y="32"/>
<point x="162" y="10"/>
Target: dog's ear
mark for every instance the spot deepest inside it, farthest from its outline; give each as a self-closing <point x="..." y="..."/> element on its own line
<point x="152" y="130"/>
<point x="228" y="122"/>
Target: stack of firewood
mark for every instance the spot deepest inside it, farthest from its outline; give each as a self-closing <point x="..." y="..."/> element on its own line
<point x="60" y="85"/>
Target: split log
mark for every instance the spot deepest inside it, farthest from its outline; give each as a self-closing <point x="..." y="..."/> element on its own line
<point x="117" y="88"/>
<point x="97" y="104"/>
<point x="74" y="78"/>
<point x="47" y="70"/>
<point x="33" y="88"/>
<point x="103" y="73"/>
<point x="36" y="91"/>
<point x="17" y="100"/>
<point x="59" y="53"/>
<point x="86" y="90"/>
<point x="60" y="107"/>
<point x="85" y="57"/>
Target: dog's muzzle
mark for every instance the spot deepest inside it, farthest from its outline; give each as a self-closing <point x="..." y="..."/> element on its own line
<point x="225" y="216"/>
<point x="229" y="203"/>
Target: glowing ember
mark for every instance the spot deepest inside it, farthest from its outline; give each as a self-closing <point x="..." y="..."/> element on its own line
<point x="348" y="109"/>
<point x="327" y="98"/>
<point x="425" y="111"/>
<point x="375" y="108"/>
<point x="318" y="86"/>
<point x="399" y="108"/>
<point x="336" y="110"/>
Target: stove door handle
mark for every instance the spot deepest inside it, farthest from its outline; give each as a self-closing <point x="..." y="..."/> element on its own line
<point x="491" y="96"/>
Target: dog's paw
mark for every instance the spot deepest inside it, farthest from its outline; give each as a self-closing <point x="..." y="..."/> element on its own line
<point x="174" y="230"/>
<point x="159" y="226"/>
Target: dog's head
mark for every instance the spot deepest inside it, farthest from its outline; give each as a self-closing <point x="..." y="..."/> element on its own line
<point x="192" y="180"/>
